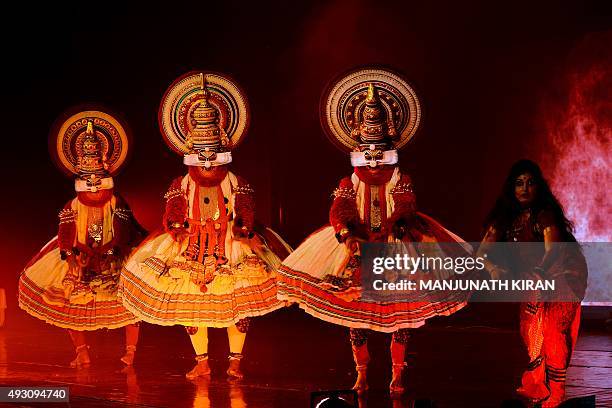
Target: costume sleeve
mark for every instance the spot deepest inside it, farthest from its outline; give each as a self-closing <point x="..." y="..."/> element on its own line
<point x="492" y="234"/>
<point x="126" y="231"/>
<point x="343" y="215"/>
<point x="66" y="233"/>
<point x="545" y="219"/>
<point x="563" y="261"/>
<point x="404" y="200"/>
<point x="176" y="205"/>
<point x="244" y="205"/>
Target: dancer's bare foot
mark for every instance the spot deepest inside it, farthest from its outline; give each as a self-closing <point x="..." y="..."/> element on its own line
<point x="234" y="370"/>
<point x="397" y="387"/>
<point x="82" y="359"/>
<point x="361" y="384"/>
<point x="128" y="357"/>
<point x="201" y="369"/>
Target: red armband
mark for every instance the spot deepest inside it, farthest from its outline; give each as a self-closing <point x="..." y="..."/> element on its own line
<point x="66" y="233"/>
<point x="343" y="215"/>
<point x="176" y="206"/>
<point x="404" y="201"/>
<point x="244" y="206"/>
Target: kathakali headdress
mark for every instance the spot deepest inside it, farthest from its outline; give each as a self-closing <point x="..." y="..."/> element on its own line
<point x="372" y="113"/>
<point x="91" y="144"/>
<point x="203" y="116"/>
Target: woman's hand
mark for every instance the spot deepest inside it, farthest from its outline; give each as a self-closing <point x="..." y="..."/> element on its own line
<point x="497" y="272"/>
<point x="536" y="274"/>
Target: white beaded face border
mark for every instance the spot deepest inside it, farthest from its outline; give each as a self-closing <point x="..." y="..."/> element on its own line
<point x="360" y="159"/>
<point x="220" y="159"/>
<point x="81" y="185"/>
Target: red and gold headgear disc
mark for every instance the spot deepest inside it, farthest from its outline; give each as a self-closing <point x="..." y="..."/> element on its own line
<point x="344" y="101"/>
<point x="69" y="137"/>
<point x="185" y="95"/>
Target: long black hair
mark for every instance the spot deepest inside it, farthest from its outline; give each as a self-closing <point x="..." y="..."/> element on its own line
<point x="507" y="207"/>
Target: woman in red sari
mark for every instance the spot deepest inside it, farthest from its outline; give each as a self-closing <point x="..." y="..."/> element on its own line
<point x="527" y="211"/>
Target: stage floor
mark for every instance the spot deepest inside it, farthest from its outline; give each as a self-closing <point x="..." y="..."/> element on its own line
<point x="288" y="355"/>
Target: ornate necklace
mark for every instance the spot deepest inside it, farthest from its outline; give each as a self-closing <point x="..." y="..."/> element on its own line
<point x="95" y="221"/>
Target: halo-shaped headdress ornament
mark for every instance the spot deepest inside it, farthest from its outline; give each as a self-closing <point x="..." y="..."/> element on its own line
<point x="204" y="115"/>
<point x="370" y="109"/>
<point x="92" y="145"/>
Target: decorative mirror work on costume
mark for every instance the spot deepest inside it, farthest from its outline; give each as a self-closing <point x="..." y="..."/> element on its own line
<point x="213" y="265"/>
<point x="371" y="113"/>
<point x="72" y="281"/>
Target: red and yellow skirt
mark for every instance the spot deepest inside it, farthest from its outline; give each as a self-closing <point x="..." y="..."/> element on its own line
<point x="304" y="276"/>
<point x="157" y="284"/>
<point x="41" y="294"/>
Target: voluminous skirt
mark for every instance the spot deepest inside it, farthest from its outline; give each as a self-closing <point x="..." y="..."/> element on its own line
<point x="304" y="278"/>
<point x="157" y="284"/>
<point x="91" y="307"/>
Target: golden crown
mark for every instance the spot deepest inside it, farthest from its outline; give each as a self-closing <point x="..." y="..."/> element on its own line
<point x="91" y="159"/>
<point x="206" y="134"/>
<point x="373" y="127"/>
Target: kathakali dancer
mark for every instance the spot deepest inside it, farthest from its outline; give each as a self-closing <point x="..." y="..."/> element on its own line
<point x="212" y="266"/>
<point x="371" y="113"/>
<point x="527" y="211"/>
<point x="72" y="281"/>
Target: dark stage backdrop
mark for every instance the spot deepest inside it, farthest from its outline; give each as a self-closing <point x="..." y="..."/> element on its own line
<point x="482" y="71"/>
